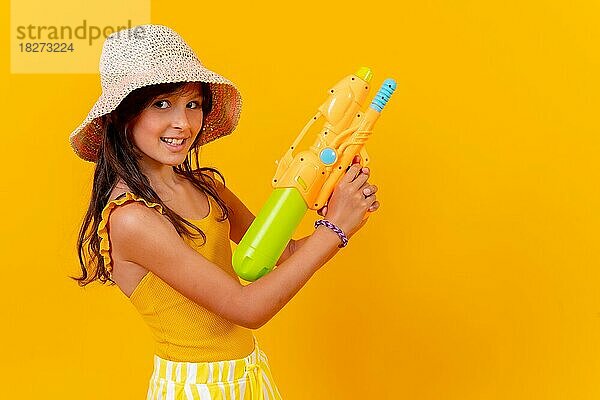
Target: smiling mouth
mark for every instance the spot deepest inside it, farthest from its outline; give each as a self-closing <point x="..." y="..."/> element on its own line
<point x="173" y="142"/>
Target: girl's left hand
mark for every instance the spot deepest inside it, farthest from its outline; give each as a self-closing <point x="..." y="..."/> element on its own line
<point x="372" y="189"/>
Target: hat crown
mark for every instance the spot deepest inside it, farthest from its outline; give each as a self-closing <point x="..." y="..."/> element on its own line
<point x="142" y="49"/>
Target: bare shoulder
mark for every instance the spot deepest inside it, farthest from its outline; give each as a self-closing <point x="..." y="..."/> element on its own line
<point x="133" y="219"/>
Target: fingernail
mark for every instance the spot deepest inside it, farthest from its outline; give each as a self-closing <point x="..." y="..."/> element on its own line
<point x="367" y="191"/>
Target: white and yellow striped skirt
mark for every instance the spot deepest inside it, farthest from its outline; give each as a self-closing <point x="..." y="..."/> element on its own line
<point x="246" y="378"/>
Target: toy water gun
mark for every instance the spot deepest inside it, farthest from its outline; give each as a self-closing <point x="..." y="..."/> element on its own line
<point x="306" y="179"/>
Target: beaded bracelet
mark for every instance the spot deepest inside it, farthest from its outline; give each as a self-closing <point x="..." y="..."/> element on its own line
<point x="334" y="228"/>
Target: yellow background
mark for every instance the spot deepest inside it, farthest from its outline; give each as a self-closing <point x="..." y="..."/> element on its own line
<point x="478" y="277"/>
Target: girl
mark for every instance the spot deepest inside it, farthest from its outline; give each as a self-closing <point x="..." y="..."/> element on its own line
<point x="159" y="227"/>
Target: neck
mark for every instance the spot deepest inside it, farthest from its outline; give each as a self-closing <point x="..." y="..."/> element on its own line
<point x="162" y="177"/>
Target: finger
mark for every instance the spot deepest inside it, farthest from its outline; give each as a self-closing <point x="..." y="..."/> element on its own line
<point x="368" y="189"/>
<point x="355" y="160"/>
<point x="364" y="189"/>
<point x="351" y="174"/>
<point x="361" y="178"/>
<point x="369" y="200"/>
<point x="374" y="207"/>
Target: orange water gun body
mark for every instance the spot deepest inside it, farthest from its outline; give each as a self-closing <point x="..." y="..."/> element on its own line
<point x="306" y="179"/>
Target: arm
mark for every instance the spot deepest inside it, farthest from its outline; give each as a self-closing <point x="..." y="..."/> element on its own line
<point x="294" y="245"/>
<point x="273" y="291"/>
<point x="159" y="249"/>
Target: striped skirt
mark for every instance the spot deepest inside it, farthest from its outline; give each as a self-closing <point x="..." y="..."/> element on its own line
<point x="246" y="378"/>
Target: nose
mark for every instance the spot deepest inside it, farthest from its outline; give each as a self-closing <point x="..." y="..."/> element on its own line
<point x="180" y="119"/>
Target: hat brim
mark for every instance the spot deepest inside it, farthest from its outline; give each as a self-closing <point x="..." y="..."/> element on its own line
<point x="222" y="119"/>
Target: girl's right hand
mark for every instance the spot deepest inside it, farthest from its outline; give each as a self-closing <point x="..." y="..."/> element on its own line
<point x="348" y="206"/>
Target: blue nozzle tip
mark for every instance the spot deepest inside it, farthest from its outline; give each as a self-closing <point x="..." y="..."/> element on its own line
<point x="383" y="94"/>
<point x="390" y="83"/>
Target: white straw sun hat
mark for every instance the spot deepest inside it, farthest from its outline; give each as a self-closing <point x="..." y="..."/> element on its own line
<point x="147" y="55"/>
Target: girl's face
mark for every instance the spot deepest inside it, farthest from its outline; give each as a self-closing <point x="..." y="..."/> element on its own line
<point x="159" y="130"/>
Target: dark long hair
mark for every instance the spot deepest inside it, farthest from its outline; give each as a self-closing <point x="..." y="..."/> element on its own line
<point x="118" y="159"/>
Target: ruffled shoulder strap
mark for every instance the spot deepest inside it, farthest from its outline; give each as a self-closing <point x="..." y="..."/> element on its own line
<point x="103" y="226"/>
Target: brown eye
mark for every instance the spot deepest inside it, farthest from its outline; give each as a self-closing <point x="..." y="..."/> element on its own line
<point x="159" y="102"/>
<point x="196" y="103"/>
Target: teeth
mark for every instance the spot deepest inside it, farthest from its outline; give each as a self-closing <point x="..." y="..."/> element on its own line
<point x="172" y="141"/>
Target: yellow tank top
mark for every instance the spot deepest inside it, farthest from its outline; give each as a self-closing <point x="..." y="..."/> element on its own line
<point x="183" y="330"/>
